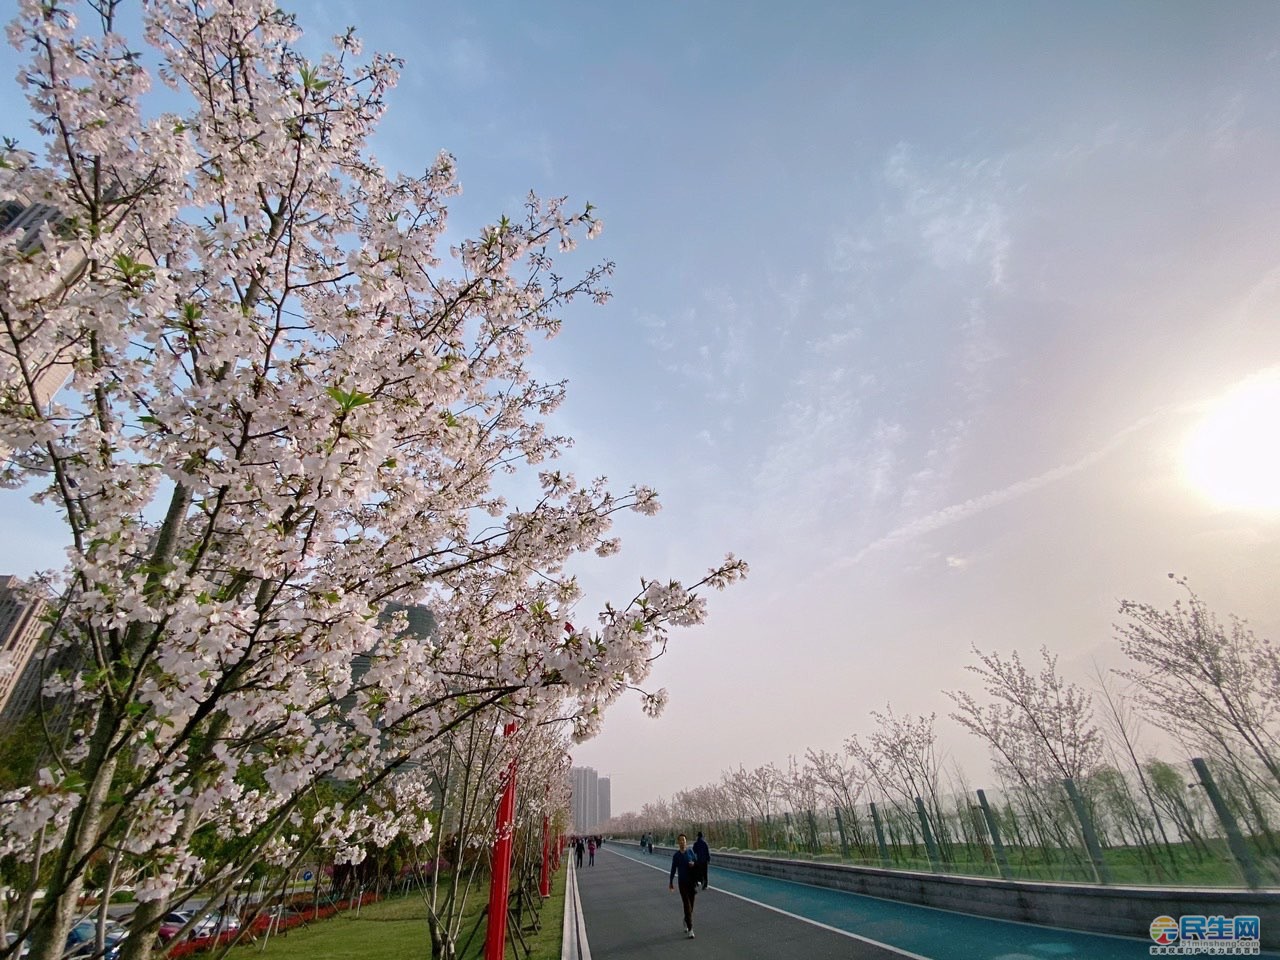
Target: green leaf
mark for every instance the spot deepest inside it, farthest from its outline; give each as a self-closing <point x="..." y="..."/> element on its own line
<point x="311" y="78"/>
<point x="131" y="270"/>
<point x="348" y="401"/>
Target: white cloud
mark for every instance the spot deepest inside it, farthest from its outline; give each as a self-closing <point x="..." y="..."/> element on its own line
<point x="978" y="505"/>
<point x="956" y="209"/>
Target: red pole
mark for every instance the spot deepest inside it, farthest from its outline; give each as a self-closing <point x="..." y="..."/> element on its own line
<point x="500" y="882"/>
<point x="544" y="882"/>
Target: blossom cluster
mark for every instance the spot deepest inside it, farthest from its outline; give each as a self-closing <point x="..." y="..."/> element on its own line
<point x="287" y="406"/>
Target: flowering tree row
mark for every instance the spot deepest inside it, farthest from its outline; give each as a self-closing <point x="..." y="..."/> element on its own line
<point x="288" y="402"/>
<point x="1210" y="687"/>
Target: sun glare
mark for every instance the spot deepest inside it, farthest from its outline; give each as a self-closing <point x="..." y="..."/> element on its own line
<point x="1233" y="455"/>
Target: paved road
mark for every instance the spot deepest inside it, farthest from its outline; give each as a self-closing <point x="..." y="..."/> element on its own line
<point x="630" y="915"/>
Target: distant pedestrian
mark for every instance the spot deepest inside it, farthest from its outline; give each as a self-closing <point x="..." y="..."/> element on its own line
<point x="702" y="855"/>
<point x="578" y="849"/>
<point x="684" y="865"/>
<point x="591" y="852"/>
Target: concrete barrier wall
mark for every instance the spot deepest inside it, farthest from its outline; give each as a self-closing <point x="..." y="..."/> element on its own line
<point x="1123" y="911"/>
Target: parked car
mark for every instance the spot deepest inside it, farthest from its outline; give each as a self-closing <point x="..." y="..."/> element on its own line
<point x="83" y="936"/>
<point x="216" y="923"/>
<point x="113" y="943"/>
<point x="80" y="939"/>
<point x="171" y="923"/>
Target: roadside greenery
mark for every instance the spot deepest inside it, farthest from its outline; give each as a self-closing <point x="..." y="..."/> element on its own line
<point x="395" y="929"/>
<point x="1079" y="792"/>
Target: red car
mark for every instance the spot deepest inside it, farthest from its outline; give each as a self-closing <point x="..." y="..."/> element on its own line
<point x="172" y="923"/>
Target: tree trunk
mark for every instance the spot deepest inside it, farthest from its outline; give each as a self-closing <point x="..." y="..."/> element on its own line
<point x="50" y="935"/>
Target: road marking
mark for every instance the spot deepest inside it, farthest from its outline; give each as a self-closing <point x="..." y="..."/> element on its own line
<point x="794" y="916"/>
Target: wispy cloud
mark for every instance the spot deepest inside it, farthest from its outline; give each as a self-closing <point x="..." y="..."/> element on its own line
<point x="932" y="256"/>
<point x="956" y="210"/>
<point x="709" y="346"/>
<point x="988" y="501"/>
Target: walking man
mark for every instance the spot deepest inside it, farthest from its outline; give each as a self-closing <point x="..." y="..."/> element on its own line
<point x="683" y="864"/>
<point x="701" y="856"/>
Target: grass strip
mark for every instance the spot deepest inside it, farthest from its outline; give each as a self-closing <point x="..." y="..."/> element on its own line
<point x="396" y="929"/>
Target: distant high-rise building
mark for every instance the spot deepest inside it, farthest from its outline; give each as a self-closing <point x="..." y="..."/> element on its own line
<point x="47" y="371"/>
<point x="42" y="372"/>
<point x="603" y="801"/>
<point x="21" y="628"/>
<point x="591" y="801"/>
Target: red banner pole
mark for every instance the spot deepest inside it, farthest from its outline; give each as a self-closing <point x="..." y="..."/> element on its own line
<point x="500" y="881"/>
<point x="544" y="882"/>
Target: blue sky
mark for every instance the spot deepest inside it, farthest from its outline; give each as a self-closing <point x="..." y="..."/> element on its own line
<point x="916" y="306"/>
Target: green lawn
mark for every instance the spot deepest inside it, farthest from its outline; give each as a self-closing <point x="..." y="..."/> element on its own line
<point x="396" y="929"/>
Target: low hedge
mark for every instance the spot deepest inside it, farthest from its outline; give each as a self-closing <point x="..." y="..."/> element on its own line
<point x="262" y="923"/>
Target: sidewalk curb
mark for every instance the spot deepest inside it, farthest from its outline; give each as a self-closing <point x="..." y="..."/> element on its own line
<point x="573" y="937"/>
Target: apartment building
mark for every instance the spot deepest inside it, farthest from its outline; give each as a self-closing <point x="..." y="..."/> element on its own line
<point x="591" y="798"/>
<point x="21" y="630"/>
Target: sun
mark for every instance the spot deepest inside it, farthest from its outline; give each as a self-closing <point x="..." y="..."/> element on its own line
<point x="1233" y="455"/>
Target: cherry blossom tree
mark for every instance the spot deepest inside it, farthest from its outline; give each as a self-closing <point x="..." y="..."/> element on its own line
<point x="840" y="780"/>
<point x="1213" y="686"/>
<point x="287" y="407"/>
<point x="1040" y="730"/>
<point x="1035" y="723"/>
<point x="902" y="758"/>
<point x="799" y="788"/>
<point x="700" y="805"/>
<point x="759" y="791"/>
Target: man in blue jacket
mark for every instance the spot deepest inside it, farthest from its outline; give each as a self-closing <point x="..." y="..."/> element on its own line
<point x="684" y="864"/>
<point x="701" y="856"/>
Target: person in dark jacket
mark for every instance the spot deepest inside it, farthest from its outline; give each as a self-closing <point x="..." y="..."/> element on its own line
<point x="684" y="864"/>
<point x="701" y="856"/>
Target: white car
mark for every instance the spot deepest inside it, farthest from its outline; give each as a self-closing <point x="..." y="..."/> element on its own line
<point x="216" y="923"/>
